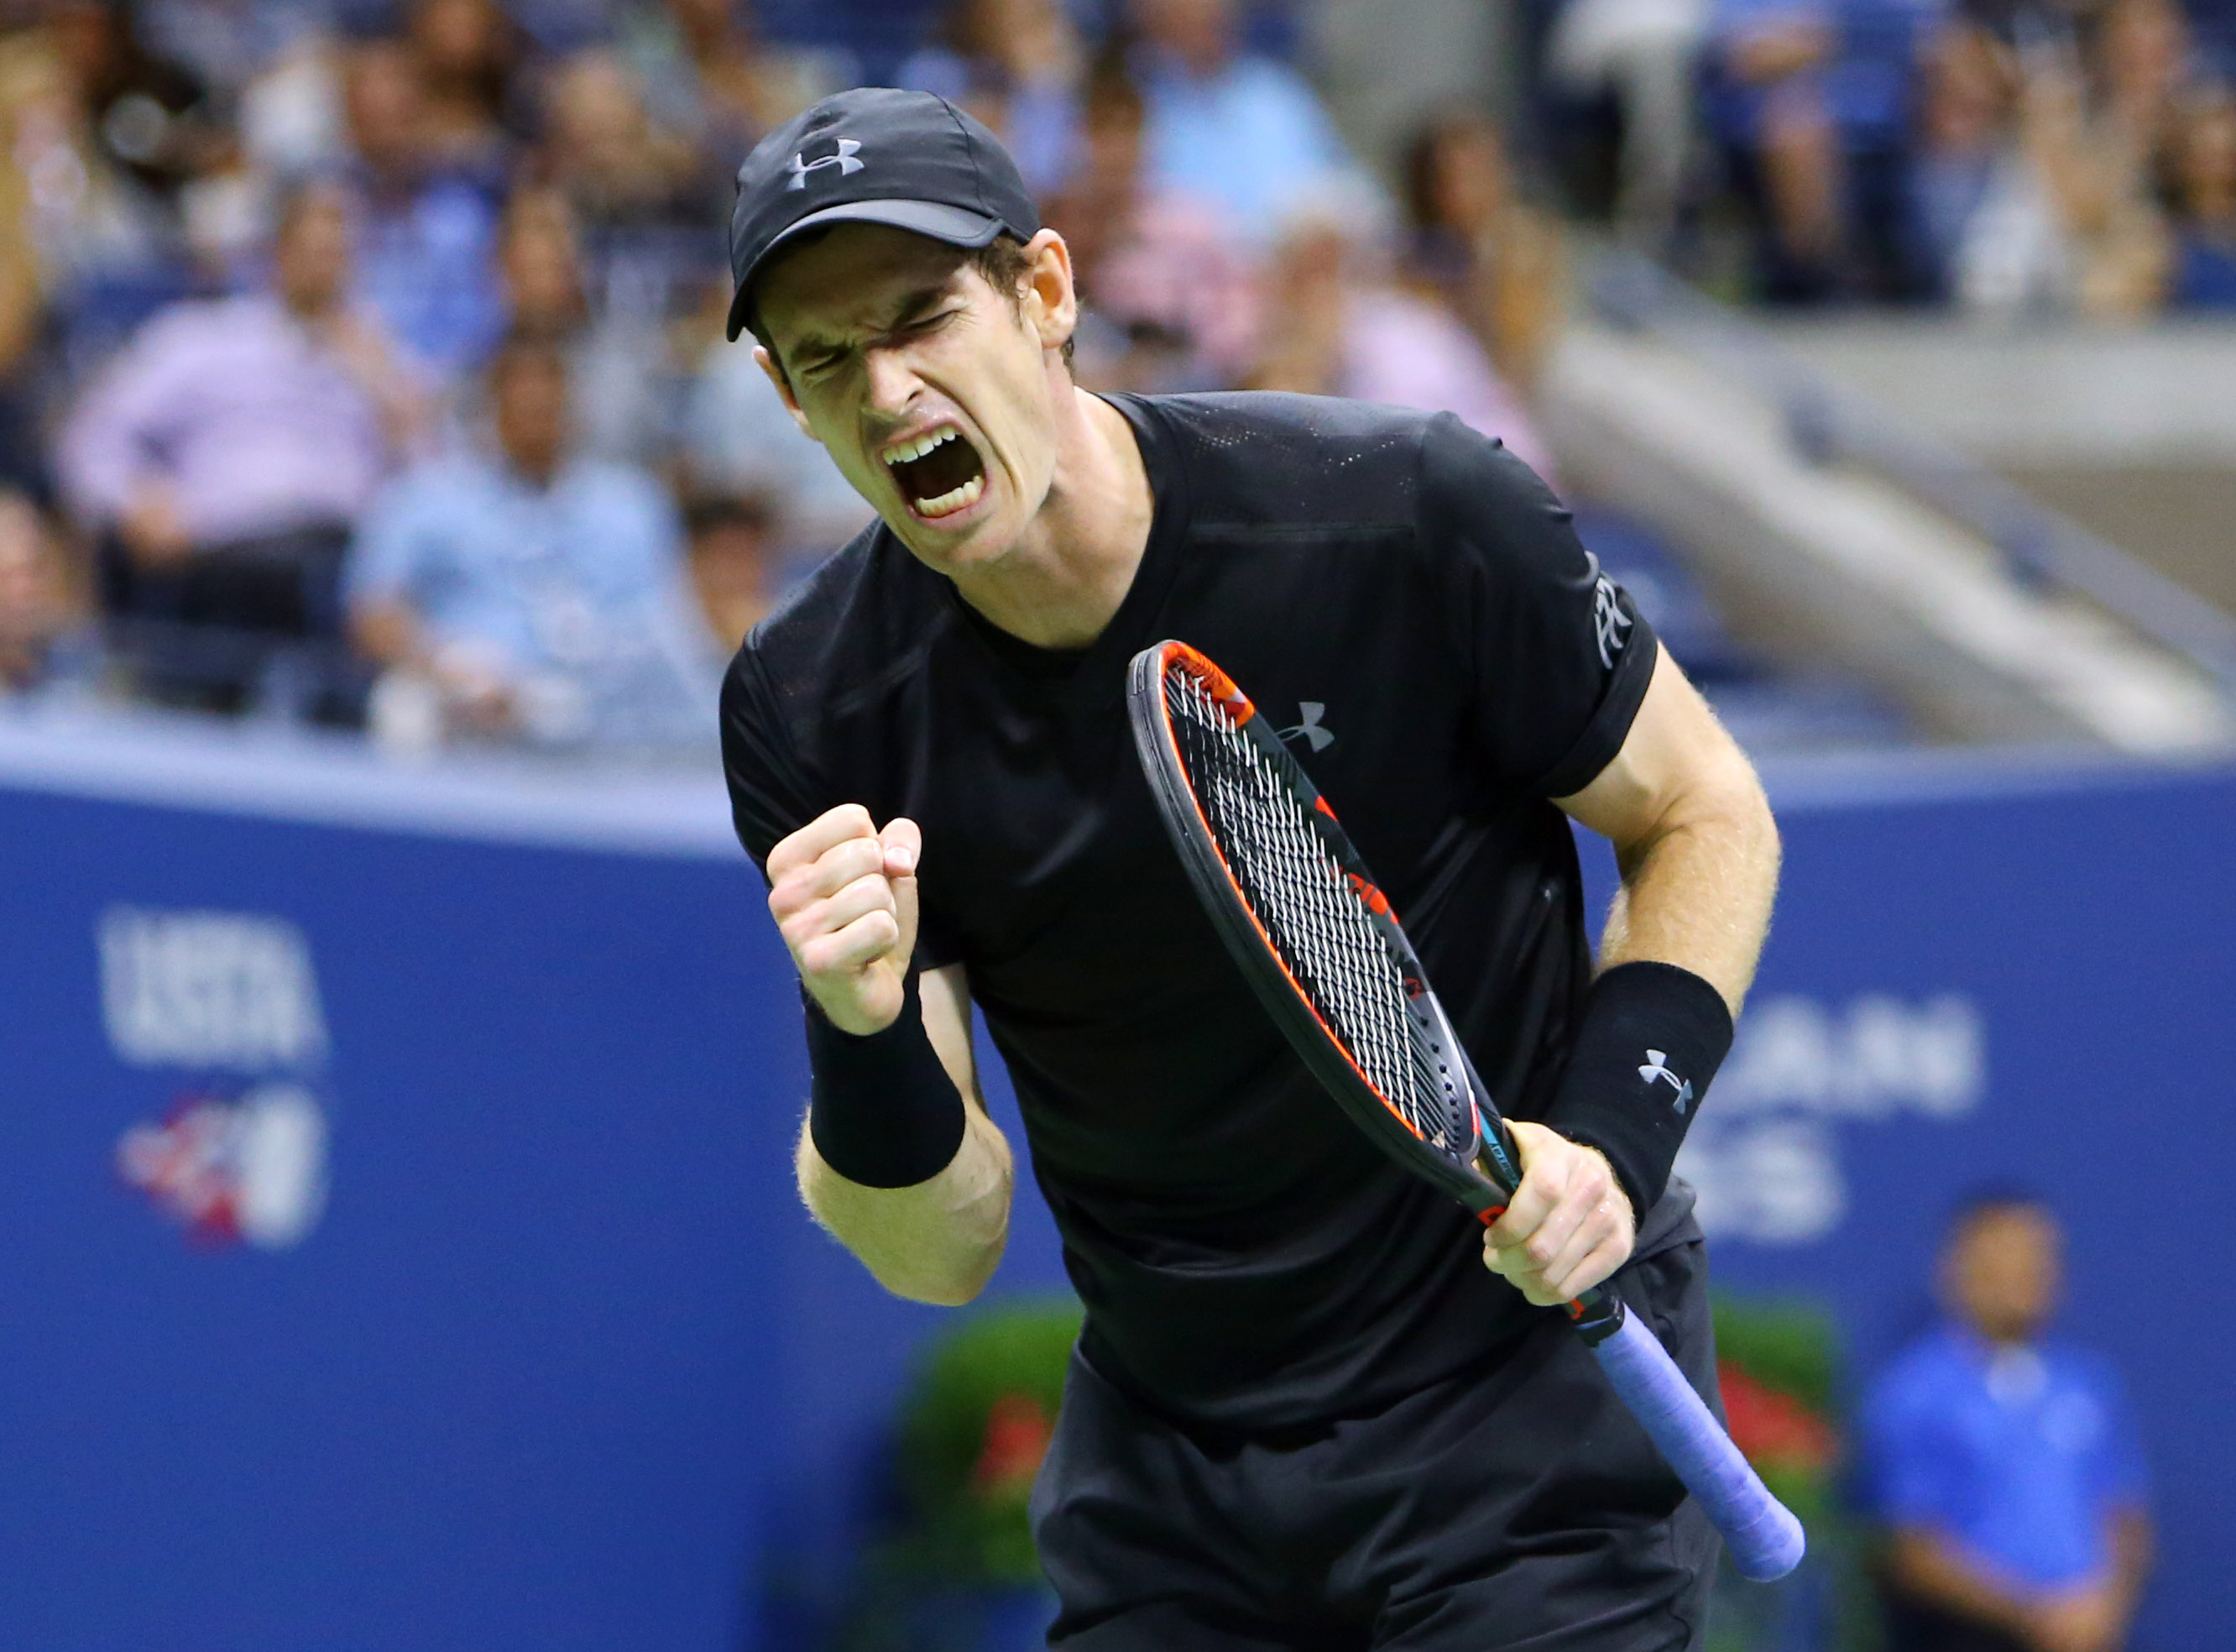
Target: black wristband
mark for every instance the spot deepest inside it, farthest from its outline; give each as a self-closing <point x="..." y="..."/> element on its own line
<point x="883" y="1112"/>
<point x="1651" y="1038"/>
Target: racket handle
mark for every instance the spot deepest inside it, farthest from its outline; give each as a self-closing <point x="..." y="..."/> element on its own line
<point x="1766" y="1541"/>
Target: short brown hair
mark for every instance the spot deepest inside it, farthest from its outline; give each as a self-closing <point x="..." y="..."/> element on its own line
<point x="1001" y="262"/>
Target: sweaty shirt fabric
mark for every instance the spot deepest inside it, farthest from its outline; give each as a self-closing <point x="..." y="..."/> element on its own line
<point x="1410" y="601"/>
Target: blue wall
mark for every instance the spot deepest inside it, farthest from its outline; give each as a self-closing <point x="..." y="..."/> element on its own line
<point x="557" y="1363"/>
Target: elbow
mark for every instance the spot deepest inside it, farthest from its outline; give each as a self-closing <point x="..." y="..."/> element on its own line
<point x="959" y="1284"/>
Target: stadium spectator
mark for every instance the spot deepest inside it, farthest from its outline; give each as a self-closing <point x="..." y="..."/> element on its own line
<point x="2005" y="1464"/>
<point x="424" y="232"/>
<point x="2203" y="275"/>
<point x="1767" y="106"/>
<point x="535" y="594"/>
<point x="633" y="187"/>
<point x="1646" y="54"/>
<point x="1017" y="65"/>
<point x="1496" y="262"/>
<point x="736" y="570"/>
<point x="625" y="384"/>
<point x="106" y="254"/>
<point x="464" y="51"/>
<point x="1967" y="147"/>
<point x="2076" y="226"/>
<point x="42" y="631"/>
<point x="224" y="455"/>
<point x="1169" y="305"/>
<point x="22" y="304"/>
<point x="1336" y="324"/>
<point x="709" y="79"/>
<point x="1236" y="130"/>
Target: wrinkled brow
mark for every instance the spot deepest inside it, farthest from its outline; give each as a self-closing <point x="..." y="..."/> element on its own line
<point x="908" y="307"/>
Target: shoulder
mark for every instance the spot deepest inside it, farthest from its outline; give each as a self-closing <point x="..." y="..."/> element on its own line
<point x="1264" y="457"/>
<point x="1922" y="1377"/>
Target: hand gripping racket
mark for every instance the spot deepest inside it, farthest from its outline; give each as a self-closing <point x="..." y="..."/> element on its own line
<point x="1319" y="945"/>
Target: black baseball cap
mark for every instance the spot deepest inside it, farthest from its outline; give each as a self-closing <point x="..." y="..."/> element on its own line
<point x="874" y="155"/>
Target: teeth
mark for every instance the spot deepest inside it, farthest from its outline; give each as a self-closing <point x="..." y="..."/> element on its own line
<point x="916" y="450"/>
<point x="953" y="500"/>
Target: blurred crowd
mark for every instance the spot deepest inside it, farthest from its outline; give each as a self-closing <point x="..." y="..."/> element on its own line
<point x="361" y="360"/>
<point x="2042" y="156"/>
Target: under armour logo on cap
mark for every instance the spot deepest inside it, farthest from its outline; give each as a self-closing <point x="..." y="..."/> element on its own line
<point x="844" y="160"/>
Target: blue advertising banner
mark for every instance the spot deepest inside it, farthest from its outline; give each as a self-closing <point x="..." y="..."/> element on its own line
<point x="398" y="1247"/>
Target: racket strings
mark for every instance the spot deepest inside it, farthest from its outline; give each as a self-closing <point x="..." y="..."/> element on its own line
<point x="1304" y="902"/>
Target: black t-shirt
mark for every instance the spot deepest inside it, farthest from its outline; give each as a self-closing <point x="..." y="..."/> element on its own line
<point x="1409" y="601"/>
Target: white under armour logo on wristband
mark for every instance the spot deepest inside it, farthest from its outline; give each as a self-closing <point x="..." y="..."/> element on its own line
<point x="1658" y="1067"/>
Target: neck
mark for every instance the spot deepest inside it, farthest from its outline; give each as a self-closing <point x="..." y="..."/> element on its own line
<point x="1073" y="565"/>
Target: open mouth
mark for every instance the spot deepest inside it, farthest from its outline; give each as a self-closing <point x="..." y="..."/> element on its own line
<point x="939" y="473"/>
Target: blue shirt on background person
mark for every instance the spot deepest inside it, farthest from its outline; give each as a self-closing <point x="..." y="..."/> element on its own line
<point x="2021" y="1453"/>
<point x="543" y="593"/>
<point x="2005" y="1467"/>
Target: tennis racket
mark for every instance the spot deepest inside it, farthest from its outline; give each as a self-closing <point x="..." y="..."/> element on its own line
<point x="1316" y="940"/>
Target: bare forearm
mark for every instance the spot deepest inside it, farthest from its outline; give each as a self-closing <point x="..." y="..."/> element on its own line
<point x="938" y="1241"/>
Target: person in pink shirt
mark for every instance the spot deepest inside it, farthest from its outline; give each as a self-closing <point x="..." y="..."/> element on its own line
<point x="221" y="458"/>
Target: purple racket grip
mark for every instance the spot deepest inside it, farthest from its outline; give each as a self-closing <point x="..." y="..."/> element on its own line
<point x="1766" y="1540"/>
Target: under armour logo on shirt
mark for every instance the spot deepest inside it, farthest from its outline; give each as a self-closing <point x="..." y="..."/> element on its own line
<point x="844" y="160"/>
<point x="1314" y="710"/>
<point x="1658" y="1068"/>
<point x="1610" y="623"/>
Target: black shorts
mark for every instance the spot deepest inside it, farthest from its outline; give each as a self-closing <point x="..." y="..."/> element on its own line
<point x="1519" y="1508"/>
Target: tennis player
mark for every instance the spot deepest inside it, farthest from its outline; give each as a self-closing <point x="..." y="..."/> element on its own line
<point x="1301" y="1415"/>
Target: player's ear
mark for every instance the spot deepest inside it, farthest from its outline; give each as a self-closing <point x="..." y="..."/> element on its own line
<point x="1052" y="302"/>
<point x="776" y="376"/>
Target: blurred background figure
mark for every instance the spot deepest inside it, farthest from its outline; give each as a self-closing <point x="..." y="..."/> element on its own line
<point x="1645" y="54"/>
<point x="425" y="229"/>
<point x="44" y="637"/>
<point x="463" y="50"/>
<point x="2003" y="1464"/>
<point x="1337" y="323"/>
<point x="1017" y="65"/>
<point x="1170" y="299"/>
<point x="736" y="572"/>
<point x="710" y="79"/>
<point x="222" y="458"/>
<point x="625" y="383"/>
<point x="631" y="185"/>
<point x="1496" y="262"/>
<point x="1241" y="131"/>
<point x="516" y="591"/>
<point x="2204" y="272"/>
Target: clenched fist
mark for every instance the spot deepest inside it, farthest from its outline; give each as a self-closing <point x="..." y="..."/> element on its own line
<point x="1570" y="1225"/>
<point x="843" y="896"/>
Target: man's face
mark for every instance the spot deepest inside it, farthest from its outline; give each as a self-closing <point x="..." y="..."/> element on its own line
<point x="313" y="259"/>
<point x="2002" y="1272"/>
<point x="931" y="391"/>
<point x="530" y="393"/>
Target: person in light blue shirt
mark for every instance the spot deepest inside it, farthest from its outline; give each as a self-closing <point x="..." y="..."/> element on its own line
<point x="2005" y="1465"/>
<point x="535" y="595"/>
<point x="1242" y="133"/>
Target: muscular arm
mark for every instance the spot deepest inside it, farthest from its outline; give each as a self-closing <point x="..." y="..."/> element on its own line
<point x="940" y="1240"/>
<point x="1693" y="836"/>
<point x="1698" y="851"/>
<point x="843" y="895"/>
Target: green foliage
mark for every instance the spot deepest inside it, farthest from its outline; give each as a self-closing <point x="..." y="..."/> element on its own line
<point x="973" y="1427"/>
<point x="1789" y="1346"/>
